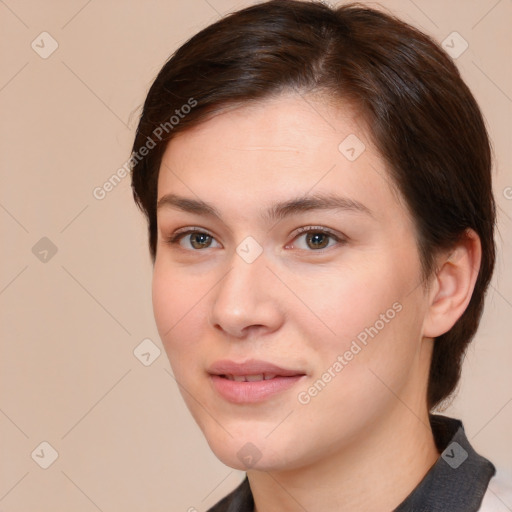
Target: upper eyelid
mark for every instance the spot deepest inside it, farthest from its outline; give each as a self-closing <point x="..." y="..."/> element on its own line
<point x="191" y="229"/>
<point x="296" y="232"/>
<point x="183" y="232"/>
<point x="316" y="229"/>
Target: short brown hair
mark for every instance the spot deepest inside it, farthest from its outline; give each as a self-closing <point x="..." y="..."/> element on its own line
<point x="422" y="117"/>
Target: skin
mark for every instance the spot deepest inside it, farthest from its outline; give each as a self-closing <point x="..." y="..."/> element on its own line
<point x="301" y="307"/>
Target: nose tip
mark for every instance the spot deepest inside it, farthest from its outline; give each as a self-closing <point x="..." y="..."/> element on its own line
<point x="245" y="303"/>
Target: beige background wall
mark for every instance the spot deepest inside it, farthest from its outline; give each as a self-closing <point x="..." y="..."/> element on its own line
<point x="70" y="321"/>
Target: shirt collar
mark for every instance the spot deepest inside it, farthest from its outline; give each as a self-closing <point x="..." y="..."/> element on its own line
<point x="459" y="478"/>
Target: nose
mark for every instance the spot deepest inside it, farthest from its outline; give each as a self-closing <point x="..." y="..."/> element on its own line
<point x="246" y="301"/>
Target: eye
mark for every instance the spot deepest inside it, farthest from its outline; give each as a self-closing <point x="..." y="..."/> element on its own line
<point x="193" y="239"/>
<point x="315" y="238"/>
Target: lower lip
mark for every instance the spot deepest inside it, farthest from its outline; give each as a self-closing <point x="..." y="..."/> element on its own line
<point x="252" y="392"/>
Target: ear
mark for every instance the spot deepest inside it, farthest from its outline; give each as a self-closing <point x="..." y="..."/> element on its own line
<point x="452" y="286"/>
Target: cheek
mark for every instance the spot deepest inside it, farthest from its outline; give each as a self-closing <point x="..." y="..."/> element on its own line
<point x="342" y="304"/>
<point x="176" y="305"/>
<point x="369" y="317"/>
<point x="178" y="312"/>
<point x="355" y="381"/>
<point x="165" y="301"/>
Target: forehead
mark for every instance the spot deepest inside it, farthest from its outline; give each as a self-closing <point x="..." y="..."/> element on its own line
<point x="293" y="122"/>
<point x="290" y="145"/>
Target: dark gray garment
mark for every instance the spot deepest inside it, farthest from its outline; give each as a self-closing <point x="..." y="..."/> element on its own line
<point x="456" y="482"/>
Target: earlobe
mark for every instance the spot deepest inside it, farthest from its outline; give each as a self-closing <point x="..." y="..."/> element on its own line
<point x="453" y="285"/>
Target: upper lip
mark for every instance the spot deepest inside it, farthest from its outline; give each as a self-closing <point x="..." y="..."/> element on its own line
<point x="250" y="367"/>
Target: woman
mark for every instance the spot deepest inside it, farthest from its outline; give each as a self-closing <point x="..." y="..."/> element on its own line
<point x="317" y="185"/>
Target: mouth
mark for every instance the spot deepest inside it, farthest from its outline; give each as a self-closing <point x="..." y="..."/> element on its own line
<point x="250" y="378"/>
<point x="251" y="381"/>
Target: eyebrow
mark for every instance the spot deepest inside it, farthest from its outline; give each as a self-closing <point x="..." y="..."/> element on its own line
<point x="276" y="212"/>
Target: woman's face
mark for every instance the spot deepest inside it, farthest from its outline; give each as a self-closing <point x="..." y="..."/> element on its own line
<point x="292" y="315"/>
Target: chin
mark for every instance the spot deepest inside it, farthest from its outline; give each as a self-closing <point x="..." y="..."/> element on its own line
<point x="259" y="454"/>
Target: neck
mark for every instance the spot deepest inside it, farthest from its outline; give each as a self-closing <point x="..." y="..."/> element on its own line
<point x="376" y="473"/>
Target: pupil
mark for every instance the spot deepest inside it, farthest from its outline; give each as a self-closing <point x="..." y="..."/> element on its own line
<point x="317" y="240"/>
<point x="200" y="240"/>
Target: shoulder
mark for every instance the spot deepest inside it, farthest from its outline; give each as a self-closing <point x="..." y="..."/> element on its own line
<point x="498" y="497"/>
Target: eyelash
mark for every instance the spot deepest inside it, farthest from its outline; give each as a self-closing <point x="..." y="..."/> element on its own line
<point x="319" y="230"/>
<point x="176" y="237"/>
